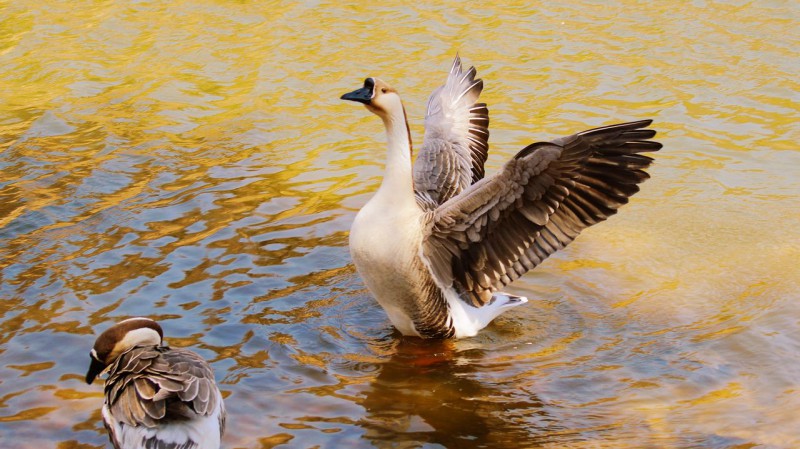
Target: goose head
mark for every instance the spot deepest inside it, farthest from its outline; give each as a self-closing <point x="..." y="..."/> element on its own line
<point x="119" y="338"/>
<point x="380" y="98"/>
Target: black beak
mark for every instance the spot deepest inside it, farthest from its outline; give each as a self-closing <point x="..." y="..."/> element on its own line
<point x="363" y="95"/>
<point x="94" y="369"/>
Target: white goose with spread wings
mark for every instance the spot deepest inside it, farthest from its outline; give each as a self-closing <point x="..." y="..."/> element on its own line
<point x="438" y="241"/>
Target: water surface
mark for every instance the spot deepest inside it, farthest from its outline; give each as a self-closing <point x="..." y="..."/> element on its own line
<point x="191" y="161"/>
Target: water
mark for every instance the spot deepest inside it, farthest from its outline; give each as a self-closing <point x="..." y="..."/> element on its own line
<point x="191" y="161"/>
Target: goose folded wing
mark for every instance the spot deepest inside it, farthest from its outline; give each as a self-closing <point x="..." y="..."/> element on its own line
<point x="197" y="380"/>
<point x="148" y="394"/>
<point x="130" y="390"/>
<point x="455" y="145"/>
<point x="503" y="226"/>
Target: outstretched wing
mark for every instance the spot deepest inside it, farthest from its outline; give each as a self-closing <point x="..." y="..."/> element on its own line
<point x="503" y="226"/>
<point x="455" y="145"/>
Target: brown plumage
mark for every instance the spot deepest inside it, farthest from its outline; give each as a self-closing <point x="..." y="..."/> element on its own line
<point x="152" y="385"/>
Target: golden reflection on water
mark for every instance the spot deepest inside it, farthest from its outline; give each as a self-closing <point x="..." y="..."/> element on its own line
<point x="191" y="161"/>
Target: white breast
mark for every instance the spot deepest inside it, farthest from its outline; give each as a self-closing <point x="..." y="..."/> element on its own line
<point x="383" y="244"/>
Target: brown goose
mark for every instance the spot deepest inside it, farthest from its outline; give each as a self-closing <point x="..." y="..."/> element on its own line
<point x="155" y="396"/>
<point x="438" y="240"/>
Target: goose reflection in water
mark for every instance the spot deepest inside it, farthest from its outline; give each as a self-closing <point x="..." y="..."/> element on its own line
<point x="430" y="391"/>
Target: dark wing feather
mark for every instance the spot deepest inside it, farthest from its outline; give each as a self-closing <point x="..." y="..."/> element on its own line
<point x="505" y="225"/>
<point x="456" y="139"/>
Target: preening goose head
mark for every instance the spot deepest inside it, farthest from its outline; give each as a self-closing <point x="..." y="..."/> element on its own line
<point x="119" y="338"/>
<point x="380" y="98"/>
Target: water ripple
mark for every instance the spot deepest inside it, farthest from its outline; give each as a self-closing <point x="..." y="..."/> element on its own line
<point x="192" y="162"/>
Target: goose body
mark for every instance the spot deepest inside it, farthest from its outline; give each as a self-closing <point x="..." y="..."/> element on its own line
<point x="155" y="396"/>
<point x="438" y="240"/>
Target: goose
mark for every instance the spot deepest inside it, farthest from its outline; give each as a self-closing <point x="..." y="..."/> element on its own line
<point x="439" y="240"/>
<point x="155" y="396"/>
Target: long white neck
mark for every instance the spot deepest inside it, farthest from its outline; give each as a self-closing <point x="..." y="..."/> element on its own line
<point x="398" y="183"/>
